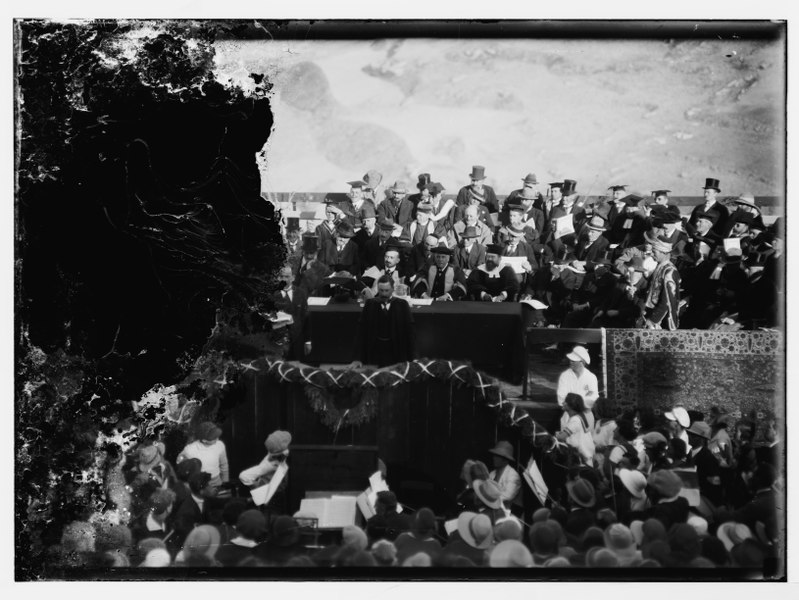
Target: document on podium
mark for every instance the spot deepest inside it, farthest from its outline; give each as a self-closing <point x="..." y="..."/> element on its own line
<point x="262" y="495"/>
<point x="333" y="513"/>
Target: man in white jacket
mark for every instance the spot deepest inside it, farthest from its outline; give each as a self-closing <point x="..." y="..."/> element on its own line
<point x="506" y="476"/>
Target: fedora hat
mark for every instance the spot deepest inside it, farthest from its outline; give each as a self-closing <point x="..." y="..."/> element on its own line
<point x="386" y="224"/>
<point x="469" y="232"/>
<point x="569" y="187"/>
<point x="368" y="211"/>
<point x="711" y="184"/>
<point x="579" y="353"/>
<point x="634" y="481"/>
<point x="503" y="449"/>
<point x="424" y="179"/>
<point x="679" y="414"/>
<point x="478" y="172"/>
<point x="596" y="223"/>
<point x="475" y="529"/>
<point x="345" y="230"/>
<point x="489" y="492"/>
<point x="581" y="492"/>
<point x="667" y="483"/>
<point x="399" y="188"/>
<point x="510" y="553"/>
<point x="372" y="179"/>
<point x="441" y="249"/>
<point x="530" y="179"/>
<point x="701" y="429"/>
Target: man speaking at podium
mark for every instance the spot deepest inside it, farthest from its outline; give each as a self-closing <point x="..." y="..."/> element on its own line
<point x="385" y="330"/>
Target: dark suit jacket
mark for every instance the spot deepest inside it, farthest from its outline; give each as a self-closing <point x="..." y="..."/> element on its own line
<point x="591" y="253"/>
<point x="491" y="202"/>
<point x="311" y="278"/>
<point x="400" y="332"/>
<point x="718" y="210"/>
<point x="187" y="517"/>
<point x="297" y="307"/>
<point x="401" y="213"/>
<point x="471" y="259"/>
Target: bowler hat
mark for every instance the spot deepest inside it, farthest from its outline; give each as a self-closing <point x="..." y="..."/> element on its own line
<point x="530" y="179"/>
<point x="208" y="431"/>
<point x="510" y="553"/>
<point x="469" y="232"/>
<point x="368" y="211"/>
<point x="712" y="184"/>
<point x="667" y="483"/>
<point x="386" y="224"/>
<point x="579" y="353"/>
<point x="277" y="442"/>
<point x="475" y="529"/>
<point x="503" y="449"/>
<point x="478" y="172"/>
<point x="569" y="187"/>
<point x="489" y="492"/>
<point x="441" y="249"/>
<point x="596" y="223"/>
<point x="424" y="179"/>
<point x="581" y="492"/>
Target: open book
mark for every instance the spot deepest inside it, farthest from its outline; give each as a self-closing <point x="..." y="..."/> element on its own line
<point x="333" y="513"/>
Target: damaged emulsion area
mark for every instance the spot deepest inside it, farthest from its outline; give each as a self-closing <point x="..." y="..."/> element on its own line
<point x="138" y="217"/>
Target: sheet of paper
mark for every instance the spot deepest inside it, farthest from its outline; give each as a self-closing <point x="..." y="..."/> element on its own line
<point x="732" y="243"/>
<point x="536" y="482"/>
<point x="420" y="301"/>
<point x="690" y="485"/>
<point x="365" y="506"/>
<point x="277" y="478"/>
<point x="340" y="511"/>
<point x="377" y="483"/>
<point x="563" y="226"/>
<point x="532" y="302"/>
<point x="450" y="526"/>
<point x="514" y="261"/>
<point x="317" y="301"/>
<point x="316" y="507"/>
<point x="372" y="272"/>
<point x="282" y="317"/>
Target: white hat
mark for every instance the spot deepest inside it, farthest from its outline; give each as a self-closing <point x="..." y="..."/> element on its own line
<point x="679" y="414"/>
<point x="157" y="557"/>
<point x="579" y="353"/>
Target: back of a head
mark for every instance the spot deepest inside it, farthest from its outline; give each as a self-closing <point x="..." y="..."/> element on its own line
<point x="543" y="538"/>
<point x="508" y="529"/>
<point x="203" y="539"/>
<point x="354" y="536"/>
<point x="198" y="481"/>
<point x="113" y="536"/>
<point x="233" y="508"/>
<point x="188" y="467"/>
<point x="575" y="402"/>
<point x="362" y="558"/>
<point x="478" y="470"/>
<point x="420" y="559"/>
<point x="424" y="523"/>
<point x="385" y="553"/>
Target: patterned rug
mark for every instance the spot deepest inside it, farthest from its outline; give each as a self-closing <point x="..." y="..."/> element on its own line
<point x="738" y="372"/>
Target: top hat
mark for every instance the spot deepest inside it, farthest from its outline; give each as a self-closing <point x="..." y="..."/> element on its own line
<point x="424" y="179"/>
<point x="530" y="179"/>
<point x="310" y="242"/>
<point x="478" y="172"/>
<point x="712" y="184"/>
<point x="569" y="187"/>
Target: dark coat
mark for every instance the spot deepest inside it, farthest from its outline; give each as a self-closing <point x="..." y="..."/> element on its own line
<point x="309" y="277"/>
<point x="718" y="210"/>
<point x="472" y="259"/>
<point x="387" y="526"/>
<point x="401" y="213"/>
<point x="591" y="253"/>
<point x="400" y="328"/>
<point x="491" y="202"/>
<point x="327" y="244"/>
<point x="479" y="282"/>
<point x="297" y="307"/>
<point x="361" y="239"/>
<point x="187" y="517"/>
<point x="670" y="513"/>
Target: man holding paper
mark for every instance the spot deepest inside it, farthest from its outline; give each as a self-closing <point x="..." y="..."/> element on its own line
<point x="269" y="476"/>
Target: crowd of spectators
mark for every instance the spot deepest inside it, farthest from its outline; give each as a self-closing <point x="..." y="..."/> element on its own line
<point x="628" y="504"/>
<point x="625" y="260"/>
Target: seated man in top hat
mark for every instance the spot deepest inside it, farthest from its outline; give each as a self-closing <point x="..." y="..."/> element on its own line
<point x="441" y="281"/>
<point x="424" y="194"/>
<point x="712" y="207"/>
<point x="478" y="190"/>
<point x="385" y="333"/>
<point x="308" y="270"/>
<point x="397" y="207"/>
<point x="492" y="282"/>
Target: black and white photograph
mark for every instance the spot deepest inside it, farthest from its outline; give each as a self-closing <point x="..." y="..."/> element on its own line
<point x="400" y="299"/>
